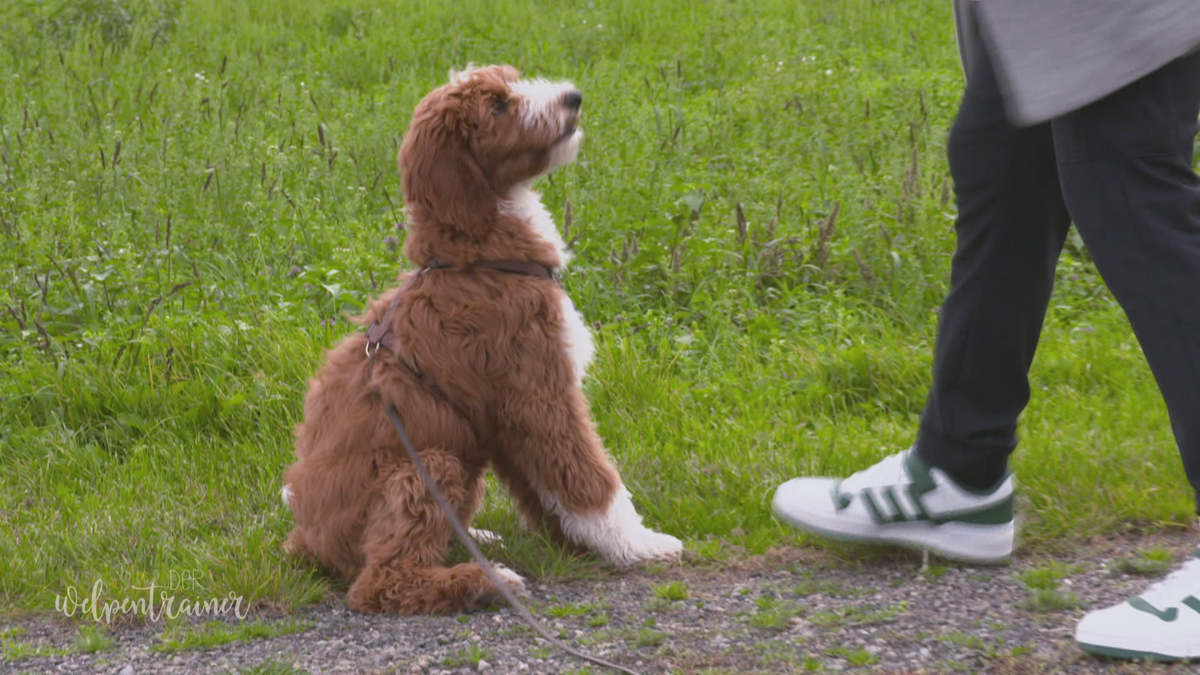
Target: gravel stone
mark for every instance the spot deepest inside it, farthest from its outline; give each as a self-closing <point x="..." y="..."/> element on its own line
<point x="845" y="609"/>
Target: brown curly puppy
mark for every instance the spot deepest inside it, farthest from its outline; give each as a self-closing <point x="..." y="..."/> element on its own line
<point x="483" y="364"/>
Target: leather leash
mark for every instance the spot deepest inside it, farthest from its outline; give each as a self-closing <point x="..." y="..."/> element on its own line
<point x="380" y="334"/>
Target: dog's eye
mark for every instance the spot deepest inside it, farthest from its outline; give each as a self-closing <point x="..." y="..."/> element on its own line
<point x="499" y="106"/>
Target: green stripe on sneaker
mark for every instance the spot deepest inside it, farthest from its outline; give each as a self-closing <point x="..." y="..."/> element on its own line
<point x="915" y="497"/>
<point x="889" y="493"/>
<point x="1192" y="603"/>
<point x="997" y="514"/>
<point x="918" y="471"/>
<point x="1165" y="615"/>
<point x="840" y="500"/>
<point x="872" y="507"/>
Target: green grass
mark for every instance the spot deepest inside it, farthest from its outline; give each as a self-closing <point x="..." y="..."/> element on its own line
<point x="1052" y="600"/>
<point x="470" y="655"/>
<point x="672" y="591"/>
<point x="776" y="653"/>
<point x="194" y="192"/>
<point x="986" y="648"/>
<point x="13" y="650"/>
<point x="540" y="652"/>
<point x="772" y="614"/>
<point x="569" y="610"/>
<point x="647" y="637"/>
<point x="857" y="615"/>
<point x="92" y="639"/>
<point x="1045" y="577"/>
<point x="1044" y="592"/>
<point x="89" y="639"/>
<point x="1154" y="561"/>
<point x="217" y="633"/>
<point x="856" y="657"/>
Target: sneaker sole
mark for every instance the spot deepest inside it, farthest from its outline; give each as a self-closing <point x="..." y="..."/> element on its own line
<point x="964" y="542"/>
<point x="1132" y="654"/>
<point x="1115" y="649"/>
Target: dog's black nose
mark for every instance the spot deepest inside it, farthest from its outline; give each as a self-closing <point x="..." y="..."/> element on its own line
<point x="573" y="100"/>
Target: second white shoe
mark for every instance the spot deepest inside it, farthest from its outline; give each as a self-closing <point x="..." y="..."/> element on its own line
<point x="1161" y="624"/>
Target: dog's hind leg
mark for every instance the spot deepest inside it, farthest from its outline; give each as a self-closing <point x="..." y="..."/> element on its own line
<point x="406" y="540"/>
<point x="474" y="498"/>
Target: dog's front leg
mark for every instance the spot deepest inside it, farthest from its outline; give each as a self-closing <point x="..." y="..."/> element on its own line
<point x="559" y="470"/>
<point x="616" y="532"/>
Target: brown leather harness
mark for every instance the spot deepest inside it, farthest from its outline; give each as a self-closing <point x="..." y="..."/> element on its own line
<point x="379" y="334"/>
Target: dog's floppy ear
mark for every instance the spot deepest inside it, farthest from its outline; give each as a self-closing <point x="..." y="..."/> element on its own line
<point x="443" y="182"/>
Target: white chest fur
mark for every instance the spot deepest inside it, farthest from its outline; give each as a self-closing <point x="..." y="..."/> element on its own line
<point x="526" y="205"/>
<point x="577" y="338"/>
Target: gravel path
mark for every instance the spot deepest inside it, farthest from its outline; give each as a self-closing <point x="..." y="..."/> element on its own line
<point x="802" y="610"/>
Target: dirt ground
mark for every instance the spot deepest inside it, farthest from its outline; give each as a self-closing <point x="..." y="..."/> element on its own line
<point x="804" y="610"/>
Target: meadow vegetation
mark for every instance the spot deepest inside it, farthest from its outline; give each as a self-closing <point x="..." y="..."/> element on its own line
<point x="193" y="196"/>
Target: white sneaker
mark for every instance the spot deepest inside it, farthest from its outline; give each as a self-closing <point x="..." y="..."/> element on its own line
<point x="1162" y="624"/>
<point x="903" y="501"/>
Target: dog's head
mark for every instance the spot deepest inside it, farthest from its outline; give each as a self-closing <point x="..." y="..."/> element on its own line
<point x="477" y="137"/>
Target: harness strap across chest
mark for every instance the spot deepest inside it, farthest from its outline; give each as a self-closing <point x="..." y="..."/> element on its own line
<point x="379" y="334"/>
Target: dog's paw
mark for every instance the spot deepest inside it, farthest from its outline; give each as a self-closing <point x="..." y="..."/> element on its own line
<point x="649" y="546"/>
<point x="486" y="537"/>
<point x="510" y="578"/>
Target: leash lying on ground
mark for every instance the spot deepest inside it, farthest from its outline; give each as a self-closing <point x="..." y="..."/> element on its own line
<point x="380" y="334"/>
<point x="468" y="542"/>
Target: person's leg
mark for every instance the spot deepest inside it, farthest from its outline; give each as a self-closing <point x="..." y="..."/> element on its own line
<point x="1127" y="173"/>
<point x="1126" y="164"/>
<point x="951" y="495"/>
<point x="1011" y="226"/>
